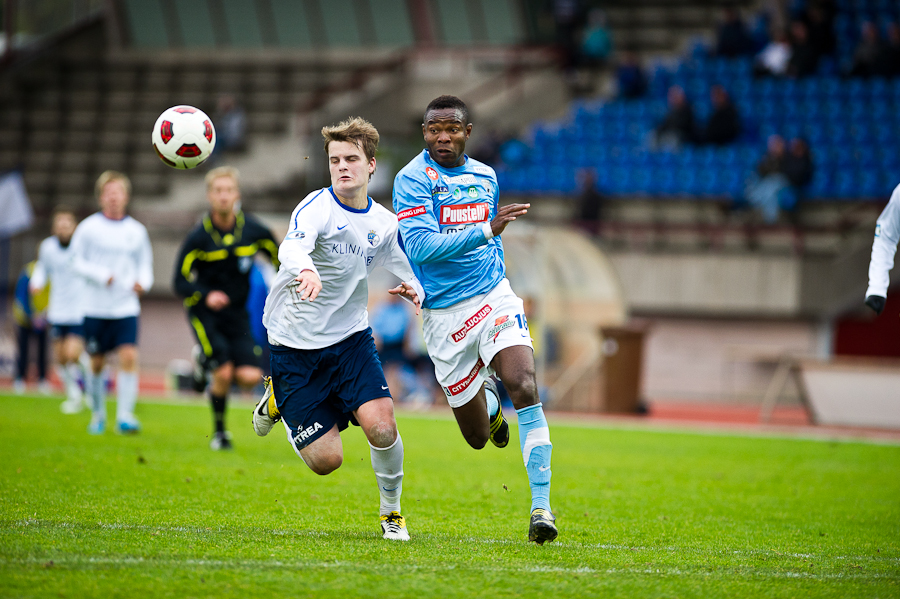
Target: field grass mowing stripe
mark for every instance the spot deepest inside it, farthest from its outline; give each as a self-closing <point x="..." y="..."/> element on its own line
<point x="448" y="539"/>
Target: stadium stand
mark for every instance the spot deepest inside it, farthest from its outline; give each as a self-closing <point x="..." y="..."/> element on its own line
<point x="849" y="124"/>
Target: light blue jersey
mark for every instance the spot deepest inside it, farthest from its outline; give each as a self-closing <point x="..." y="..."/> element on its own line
<point x="444" y="216"/>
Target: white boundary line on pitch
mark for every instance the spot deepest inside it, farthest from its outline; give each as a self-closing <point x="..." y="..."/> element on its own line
<point x="457" y="568"/>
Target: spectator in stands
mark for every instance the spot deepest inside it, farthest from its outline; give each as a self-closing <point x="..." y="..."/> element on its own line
<point x="678" y="126"/>
<point x="798" y="165"/>
<point x="29" y="314"/>
<point x="596" y="43"/>
<point x="888" y="64"/>
<point x="724" y="124"/>
<point x="821" y="30"/>
<point x="765" y="188"/>
<point x="231" y="125"/>
<point x="868" y="52"/>
<point x="590" y="203"/>
<point x="804" y="59"/>
<point x="568" y="16"/>
<point x="732" y="37"/>
<point x="630" y="77"/>
<point x="774" y="58"/>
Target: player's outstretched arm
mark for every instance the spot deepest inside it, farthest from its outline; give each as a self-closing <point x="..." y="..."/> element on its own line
<point x="507" y="214"/>
<point x="308" y="285"/>
<point x="409" y="292"/>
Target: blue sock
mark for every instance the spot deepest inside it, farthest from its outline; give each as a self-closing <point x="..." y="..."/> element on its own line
<point x="534" y="439"/>
<point x="492" y="401"/>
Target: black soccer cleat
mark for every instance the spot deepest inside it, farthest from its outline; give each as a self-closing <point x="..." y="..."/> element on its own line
<point x="543" y="526"/>
<point x="499" y="426"/>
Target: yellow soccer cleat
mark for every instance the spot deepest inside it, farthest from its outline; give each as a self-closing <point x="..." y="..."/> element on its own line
<point x="266" y="414"/>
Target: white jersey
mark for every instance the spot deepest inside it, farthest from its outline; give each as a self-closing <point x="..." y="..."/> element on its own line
<point x="341" y="245"/>
<point x="54" y="266"/>
<point x="887" y="234"/>
<point x="103" y="248"/>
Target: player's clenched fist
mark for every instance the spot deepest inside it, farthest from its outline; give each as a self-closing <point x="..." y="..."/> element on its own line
<point x="308" y="285"/>
<point x="507" y="214"/>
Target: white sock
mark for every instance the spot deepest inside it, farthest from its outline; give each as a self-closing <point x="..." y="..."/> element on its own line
<point x="387" y="462"/>
<point x="492" y="401"/>
<point x="126" y="396"/>
<point x="73" y="391"/>
<point x="96" y="386"/>
<point x="62" y="373"/>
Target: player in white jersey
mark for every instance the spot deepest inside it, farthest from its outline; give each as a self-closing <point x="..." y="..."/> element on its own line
<point x="887" y="234"/>
<point x="325" y="369"/>
<point x="65" y="312"/>
<point x="450" y="220"/>
<point x="112" y="252"/>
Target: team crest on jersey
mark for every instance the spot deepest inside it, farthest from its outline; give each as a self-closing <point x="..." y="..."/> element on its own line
<point x="473" y="192"/>
<point x="432" y="174"/>
<point x="500" y="324"/>
<point x="373" y="238"/>
<point x="457" y="194"/>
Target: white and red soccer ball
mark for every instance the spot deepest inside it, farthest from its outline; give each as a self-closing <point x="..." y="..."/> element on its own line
<point x="183" y="137"/>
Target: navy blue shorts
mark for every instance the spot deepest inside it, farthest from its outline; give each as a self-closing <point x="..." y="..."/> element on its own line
<point x="316" y="389"/>
<point x="61" y="331"/>
<point x="102" y="335"/>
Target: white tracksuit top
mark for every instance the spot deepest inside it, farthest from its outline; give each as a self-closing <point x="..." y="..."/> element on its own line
<point x="54" y="266"/>
<point x="342" y="245"/>
<point x="103" y="248"/>
<point x="887" y="234"/>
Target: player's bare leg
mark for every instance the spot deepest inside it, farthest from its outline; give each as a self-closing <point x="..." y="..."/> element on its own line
<point x="515" y="367"/>
<point x="325" y="454"/>
<point x="96" y="388"/>
<point x="67" y="351"/>
<point x="376" y="418"/>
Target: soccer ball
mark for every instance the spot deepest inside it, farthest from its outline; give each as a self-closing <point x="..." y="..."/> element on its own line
<point x="183" y="137"/>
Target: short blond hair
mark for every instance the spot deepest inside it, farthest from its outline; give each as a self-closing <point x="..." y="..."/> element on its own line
<point x="222" y="171"/>
<point x="355" y="130"/>
<point x="110" y="176"/>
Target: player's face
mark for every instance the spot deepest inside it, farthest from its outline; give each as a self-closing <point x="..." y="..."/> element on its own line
<point x="63" y="227"/>
<point x="223" y="194"/>
<point x="114" y="199"/>
<point x="446" y="136"/>
<point x="349" y="168"/>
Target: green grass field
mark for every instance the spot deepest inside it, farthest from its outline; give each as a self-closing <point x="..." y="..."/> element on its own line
<point x="641" y="514"/>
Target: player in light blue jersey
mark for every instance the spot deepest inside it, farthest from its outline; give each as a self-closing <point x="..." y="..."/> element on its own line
<point x="474" y="325"/>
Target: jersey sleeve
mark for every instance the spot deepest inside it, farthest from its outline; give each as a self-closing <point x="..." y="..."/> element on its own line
<point x="81" y="241"/>
<point x="39" y="275"/>
<point x="184" y="280"/>
<point x="419" y="228"/>
<point x="884" y="247"/>
<point x="392" y="257"/>
<point x="306" y="224"/>
<point x="145" y="261"/>
<point x="269" y="246"/>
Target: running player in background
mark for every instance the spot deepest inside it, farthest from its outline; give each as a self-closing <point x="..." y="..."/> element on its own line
<point x="475" y="326"/>
<point x="112" y="252"/>
<point x="325" y="370"/>
<point x="212" y="274"/>
<point x="887" y="234"/>
<point x="65" y="313"/>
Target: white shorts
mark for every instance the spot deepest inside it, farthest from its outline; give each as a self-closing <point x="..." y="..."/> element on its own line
<point x="464" y="338"/>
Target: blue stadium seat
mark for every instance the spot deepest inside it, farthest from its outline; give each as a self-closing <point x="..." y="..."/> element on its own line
<point x="869" y="183"/>
<point x="845" y="184"/>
